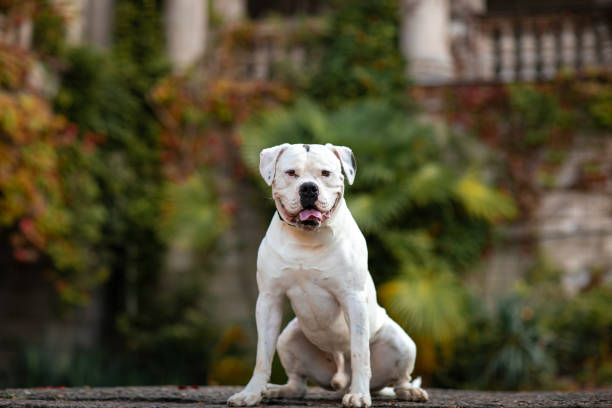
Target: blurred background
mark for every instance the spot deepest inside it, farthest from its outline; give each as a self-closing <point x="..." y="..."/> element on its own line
<point x="131" y="207"/>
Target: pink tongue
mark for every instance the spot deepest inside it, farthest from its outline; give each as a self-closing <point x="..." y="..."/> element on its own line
<point x="308" y="214"/>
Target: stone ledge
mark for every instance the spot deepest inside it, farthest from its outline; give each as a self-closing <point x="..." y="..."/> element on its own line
<point x="182" y="397"/>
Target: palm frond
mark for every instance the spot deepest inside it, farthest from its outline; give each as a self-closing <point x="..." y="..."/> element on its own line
<point x="481" y="200"/>
<point x="429" y="306"/>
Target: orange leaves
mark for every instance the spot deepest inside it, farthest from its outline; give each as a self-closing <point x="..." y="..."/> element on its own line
<point x="14" y="66"/>
<point x="28" y="169"/>
<point x="197" y="122"/>
<point x="36" y="198"/>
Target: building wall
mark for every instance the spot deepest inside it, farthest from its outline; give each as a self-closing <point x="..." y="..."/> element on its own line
<point x="30" y="317"/>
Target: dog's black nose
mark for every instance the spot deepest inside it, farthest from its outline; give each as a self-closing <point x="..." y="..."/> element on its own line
<point x="309" y="193"/>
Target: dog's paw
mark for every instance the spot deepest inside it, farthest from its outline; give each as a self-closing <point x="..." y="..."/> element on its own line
<point x="351" y="400"/>
<point x="244" y="399"/>
<point x="415" y="394"/>
<point x="284" y="391"/>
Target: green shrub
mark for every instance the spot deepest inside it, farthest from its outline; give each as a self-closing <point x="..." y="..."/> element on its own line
<point x="108" y="94"/>
<point x="580" y="331"/>
<point x="49" y="33"/>
<point x="600" y="109"/>
<point x="535" y="115"/>
<point x="361" y="56"/>
<point x="504" y="348"/>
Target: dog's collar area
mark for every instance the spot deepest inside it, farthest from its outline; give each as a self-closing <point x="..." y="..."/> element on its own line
<point x="282" y="219"/>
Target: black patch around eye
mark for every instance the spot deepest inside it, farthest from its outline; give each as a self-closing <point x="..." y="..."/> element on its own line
<point x="307" y="147"/>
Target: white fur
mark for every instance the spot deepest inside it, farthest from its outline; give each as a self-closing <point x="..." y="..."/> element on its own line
<point x="340" y="338"/>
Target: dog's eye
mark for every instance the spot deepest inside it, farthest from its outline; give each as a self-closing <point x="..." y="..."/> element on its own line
<point x="291" y="173"/>
<point x="325" y="173"/>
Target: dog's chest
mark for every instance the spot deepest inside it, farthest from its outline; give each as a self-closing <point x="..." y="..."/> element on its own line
<point x="311" y="298"/>
<point x="317" y="309"/>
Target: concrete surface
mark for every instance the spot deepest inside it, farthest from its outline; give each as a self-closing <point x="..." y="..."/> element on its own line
<point x="194" y="396"/>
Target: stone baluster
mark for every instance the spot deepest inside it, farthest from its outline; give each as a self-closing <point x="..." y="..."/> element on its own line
<point x="261" y="60"/>
<point x="528" y="44"/>
<point x="508" y="47"/>
<point x="24" y="36"/>
<point x="548" y="51"/>
<point x="568" y="44"/>
<point x="589" y="53"/>
<point x="485" y="44"/>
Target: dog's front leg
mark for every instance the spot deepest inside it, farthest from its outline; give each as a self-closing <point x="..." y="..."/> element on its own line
<point x="355" y="307"/>
<point x="268" y="315"/>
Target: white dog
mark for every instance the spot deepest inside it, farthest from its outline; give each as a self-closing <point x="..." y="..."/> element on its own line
<point x="315" y="254"/>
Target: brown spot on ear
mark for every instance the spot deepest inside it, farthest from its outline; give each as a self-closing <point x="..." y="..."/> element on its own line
<point x="307" y="147"/>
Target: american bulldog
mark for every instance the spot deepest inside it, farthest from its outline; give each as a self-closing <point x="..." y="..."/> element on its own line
<point x="314" y="254"/>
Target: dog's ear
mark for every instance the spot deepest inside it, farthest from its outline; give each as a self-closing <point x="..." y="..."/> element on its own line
<point x="267" y="161"/>
<point x="347" y="159"/>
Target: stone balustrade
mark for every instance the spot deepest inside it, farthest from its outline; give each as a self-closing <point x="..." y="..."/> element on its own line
<point x="529" y="48"/>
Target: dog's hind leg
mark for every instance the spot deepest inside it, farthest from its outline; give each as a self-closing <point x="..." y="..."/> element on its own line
<point x="301" y="360"/>
<point x="393" y="355"/>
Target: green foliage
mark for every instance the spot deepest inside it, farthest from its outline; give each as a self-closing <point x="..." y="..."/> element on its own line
<point x="601" y="109"/>
<point x="517" y="354"/>
<point x="430" y="302"/>
<point x="537" y="336"/>
<point x="361" y="57"/>
<point x="192" y="219"/>
<point x="49" y="33"/>
<point x="107" y="95"/>
<point x="138" y="45"/>
<point x="534" y="114"/>
<point x="584" y="350"/>
<point x="171" y="364"/>
<point x="99" y="99"/>
<point x="504" y="348"/>
<point x="578" y="327"/>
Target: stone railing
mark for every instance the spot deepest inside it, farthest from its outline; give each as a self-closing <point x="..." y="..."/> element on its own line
<point x="269" y="50"/>
<point x="527" y="48"/>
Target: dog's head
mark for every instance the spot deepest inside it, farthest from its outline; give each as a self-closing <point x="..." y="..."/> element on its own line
<point x="307" y="180"/>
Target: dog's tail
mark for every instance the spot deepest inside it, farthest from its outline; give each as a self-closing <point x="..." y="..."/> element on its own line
<point x="389" y="393"/>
